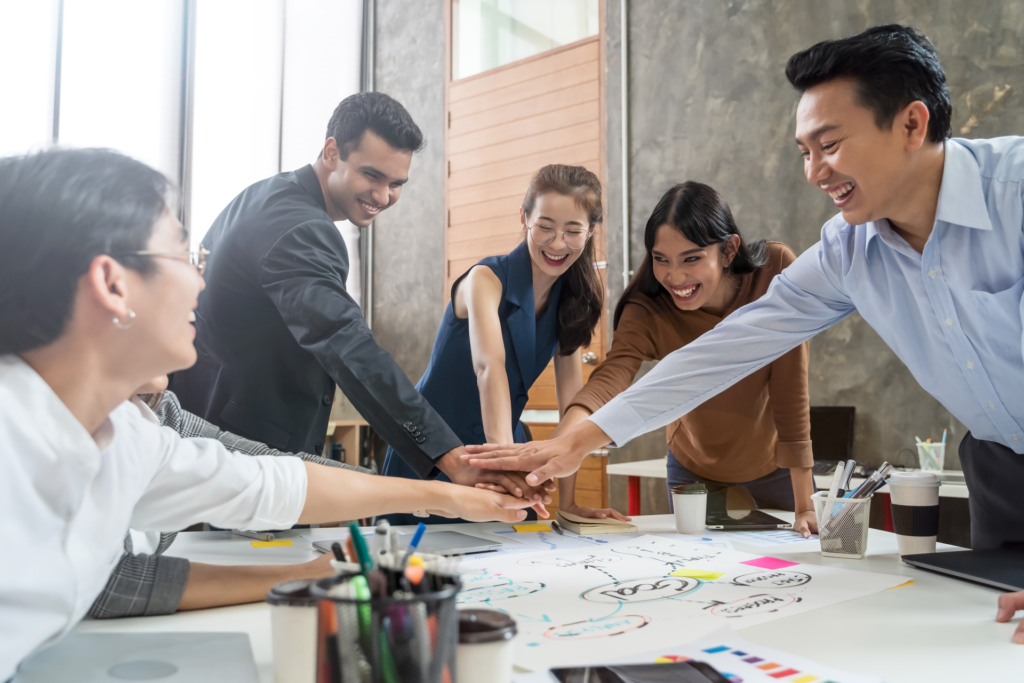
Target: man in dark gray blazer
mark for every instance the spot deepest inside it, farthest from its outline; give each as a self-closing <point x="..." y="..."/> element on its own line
<point x="276" y="328"/>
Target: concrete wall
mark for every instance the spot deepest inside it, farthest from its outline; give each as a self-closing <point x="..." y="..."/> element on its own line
<point x="408" y="276"/>
<point x="710" y="102"/>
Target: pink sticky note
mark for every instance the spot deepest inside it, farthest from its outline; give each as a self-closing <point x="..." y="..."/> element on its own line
<point x="770" y="563"/>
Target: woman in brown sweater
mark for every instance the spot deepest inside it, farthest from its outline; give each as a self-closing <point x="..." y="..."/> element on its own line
<point x="697" y="271"/>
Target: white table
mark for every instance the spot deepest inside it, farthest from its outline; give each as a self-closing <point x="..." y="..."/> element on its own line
<point x="658" y="469"/>
<point x="933" y="631"/>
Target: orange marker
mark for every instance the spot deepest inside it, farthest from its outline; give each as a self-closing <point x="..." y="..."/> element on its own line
<point x="414" y="573"/>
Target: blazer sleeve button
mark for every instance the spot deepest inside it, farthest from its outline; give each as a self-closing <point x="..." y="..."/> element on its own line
<point x="328" y="399"/>
<point x="318" y="449"/>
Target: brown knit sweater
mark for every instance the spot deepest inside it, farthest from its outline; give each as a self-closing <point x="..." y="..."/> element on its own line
<point x="755" y="426"/>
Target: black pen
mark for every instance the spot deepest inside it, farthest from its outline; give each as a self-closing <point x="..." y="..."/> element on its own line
<point x="557" y="527"/>
<point x="336" y="549"/>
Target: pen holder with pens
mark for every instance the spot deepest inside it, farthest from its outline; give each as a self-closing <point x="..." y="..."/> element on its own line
<point x="406" y="637"/>
<point x="844" y="533"/>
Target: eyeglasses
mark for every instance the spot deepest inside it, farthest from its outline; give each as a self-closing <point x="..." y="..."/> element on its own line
<point x="575" y="239"/>
<point x="196" y="258"/>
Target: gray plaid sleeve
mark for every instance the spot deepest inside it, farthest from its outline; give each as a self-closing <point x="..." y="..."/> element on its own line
<point x="189" y="426"/>
<point x="143" y="585"/>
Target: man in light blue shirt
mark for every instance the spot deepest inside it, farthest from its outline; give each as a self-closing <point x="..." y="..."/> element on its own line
<point x="928" y="246"/>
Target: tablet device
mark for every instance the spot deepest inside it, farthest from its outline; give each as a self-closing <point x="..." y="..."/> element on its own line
<point x="1002" y="569"/>
<point x="754" y="520"/>
<point x="671" y="672"/>
<point x="436" y="543"/>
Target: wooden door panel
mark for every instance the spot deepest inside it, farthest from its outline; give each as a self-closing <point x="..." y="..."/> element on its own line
<point x="571" y="114"/>
<point x="524" y="165"/>
<point x="506" y="151"/>
<point x="463" y="123"/>
<point x="585" y="52"/>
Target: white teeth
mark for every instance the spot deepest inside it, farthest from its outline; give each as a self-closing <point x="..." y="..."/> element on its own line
<point x="370" y="208"/>
<point x="685" y="292"/>
<point x="842" y="190"/>
<point x="554" y="258"/>
<point x="191" y="316"/>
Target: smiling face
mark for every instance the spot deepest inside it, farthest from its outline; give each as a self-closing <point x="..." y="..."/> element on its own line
<point x="693" y="275"/>
<point x="554" y="212"/>
<point x="863" y="168"/>
<point x="164" y="301"/>
<point x="368" y="181"/>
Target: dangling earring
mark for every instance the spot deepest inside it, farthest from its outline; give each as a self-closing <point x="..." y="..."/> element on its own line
<point x="124" y="326"/>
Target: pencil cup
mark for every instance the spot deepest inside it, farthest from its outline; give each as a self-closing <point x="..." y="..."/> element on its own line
<point x="405" y="637"/>
<point x="690" y="507"/>
<point x="931" y="456"/>
<point x="843" y="530"/>
<point x="485" y="646"/>
<point x="293" y="625"/>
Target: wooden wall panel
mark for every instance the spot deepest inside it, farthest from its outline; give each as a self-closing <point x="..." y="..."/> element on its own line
<point x="503" y="125"/>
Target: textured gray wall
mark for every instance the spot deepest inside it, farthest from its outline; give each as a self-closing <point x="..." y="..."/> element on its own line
<point x="408" y="275"/>
<point x="710" y="102"/>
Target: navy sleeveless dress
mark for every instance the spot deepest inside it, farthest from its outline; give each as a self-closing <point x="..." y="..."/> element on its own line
<point x="450" y="384"/>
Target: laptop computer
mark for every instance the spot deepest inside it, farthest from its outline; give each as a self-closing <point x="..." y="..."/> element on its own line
<point x="1002" y="569"/>
<point x="437" y="543"/>
<point x="192" y="657"/>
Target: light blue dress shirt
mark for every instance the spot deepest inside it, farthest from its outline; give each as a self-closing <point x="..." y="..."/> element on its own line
<point x="952" y="313"/>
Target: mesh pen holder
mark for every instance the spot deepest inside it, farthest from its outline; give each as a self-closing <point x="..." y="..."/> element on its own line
<point x="845" y="533"/>
<point x="411" y="638"/>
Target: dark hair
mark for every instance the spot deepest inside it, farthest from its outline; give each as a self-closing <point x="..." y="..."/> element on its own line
<point x="582" y="301"/>
<point x="701" y="216"/>
<point x="60" y="209"/>
<point x="892" y="65"/>
<point x="377" y="112"/>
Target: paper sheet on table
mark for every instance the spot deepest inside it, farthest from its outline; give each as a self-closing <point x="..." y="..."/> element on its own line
<point x="335" y="534"/>
<point x="766" y="539"/>
<point x="732" y="656"/>
<point x="569" y="603"/>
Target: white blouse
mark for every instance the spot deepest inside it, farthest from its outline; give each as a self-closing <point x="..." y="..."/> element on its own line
<point x="67" y="498"/>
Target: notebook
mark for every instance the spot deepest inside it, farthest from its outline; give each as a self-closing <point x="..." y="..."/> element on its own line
<point x="585" y="526"/>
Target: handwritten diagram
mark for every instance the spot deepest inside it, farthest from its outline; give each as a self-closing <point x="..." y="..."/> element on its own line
<point x="582" y="606"/>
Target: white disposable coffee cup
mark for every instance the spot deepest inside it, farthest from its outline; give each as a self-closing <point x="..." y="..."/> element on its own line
<point x="293" y="626"/>
<point x="485" y="647"/>
<point x="690" y="507"/>
<point x="915" y="510"/>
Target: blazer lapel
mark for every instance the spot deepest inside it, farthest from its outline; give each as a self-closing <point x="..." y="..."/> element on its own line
<point x="522" y="323"/>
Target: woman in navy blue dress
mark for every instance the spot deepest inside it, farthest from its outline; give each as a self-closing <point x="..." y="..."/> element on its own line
<point x="509" y="315"/>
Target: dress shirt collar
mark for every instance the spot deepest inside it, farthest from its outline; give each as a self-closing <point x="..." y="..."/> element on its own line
<point x="961" y="198"/>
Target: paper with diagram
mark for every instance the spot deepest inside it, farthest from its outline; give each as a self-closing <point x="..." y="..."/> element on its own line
<point x="584" y="606"/>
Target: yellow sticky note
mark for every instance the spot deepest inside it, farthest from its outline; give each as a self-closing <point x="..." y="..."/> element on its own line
<point x="271" y="544"/>
<point x="698" y="574"/>
<point x="906" y="583"/>
<point x="805" y="679"/>
<point x="527" y="528"/>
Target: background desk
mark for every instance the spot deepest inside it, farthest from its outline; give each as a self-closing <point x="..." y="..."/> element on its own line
<point x="934" y="631"/>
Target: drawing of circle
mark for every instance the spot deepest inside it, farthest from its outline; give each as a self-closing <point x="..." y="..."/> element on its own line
<point x="481" y="578"/>
<point x="565" y="562"/>
<point x="599" y="628"/>
<point x="495" y="593"/>
<point x="757" y="604"/>
<point x="776" y="579"/>
<point x="642" y="590"/>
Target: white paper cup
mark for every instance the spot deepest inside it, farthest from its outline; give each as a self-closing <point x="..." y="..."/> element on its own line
<point x="690" y="507"/>
<point x="293" y="627"/>
<point x="485" y="647"/>
<point x="915" y="511"/>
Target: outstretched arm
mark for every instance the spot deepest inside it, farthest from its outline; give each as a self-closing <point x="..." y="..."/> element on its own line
<point x="803" y="300"/>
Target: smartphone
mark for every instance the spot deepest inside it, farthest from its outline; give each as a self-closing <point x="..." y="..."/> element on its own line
<point x="673" y="672"/>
